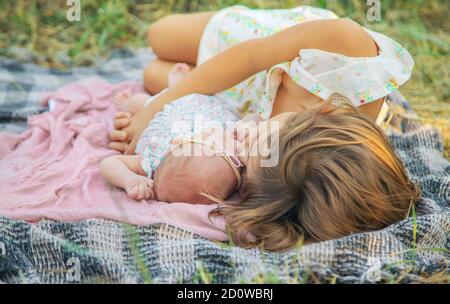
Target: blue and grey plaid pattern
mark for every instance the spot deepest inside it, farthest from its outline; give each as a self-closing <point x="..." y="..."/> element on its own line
<point x="22" y="85"/>
<point x="97" y="250"/>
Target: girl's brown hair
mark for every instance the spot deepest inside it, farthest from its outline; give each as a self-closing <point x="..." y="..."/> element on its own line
<point x="337" y="174"/>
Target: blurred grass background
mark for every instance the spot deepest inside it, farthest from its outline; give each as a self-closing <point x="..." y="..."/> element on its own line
<point x="38" y="30"/>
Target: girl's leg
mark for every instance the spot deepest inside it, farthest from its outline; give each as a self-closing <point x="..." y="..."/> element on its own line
<point x="173" y="39"/>
<point x="156" y="75"/>
<point x="125" y="101"/>
<point x="176" y="37"/>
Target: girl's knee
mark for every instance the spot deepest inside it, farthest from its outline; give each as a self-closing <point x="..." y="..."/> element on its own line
<point x="157" y="31"/>
<point x="152" y="81"/>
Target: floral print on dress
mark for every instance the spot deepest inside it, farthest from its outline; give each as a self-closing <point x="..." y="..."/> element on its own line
<point x="365" y="97"/>
<point x="316" y="89"/>
<point x="392" y="85"/>
<point x="182" y="118"/>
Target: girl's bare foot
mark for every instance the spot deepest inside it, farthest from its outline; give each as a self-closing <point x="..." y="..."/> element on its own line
<point x="178" y="72"/>
<point x="126" y="102"/>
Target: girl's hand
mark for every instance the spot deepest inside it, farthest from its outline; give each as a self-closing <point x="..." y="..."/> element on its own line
<point x="127" y="130"/>
<point x="139" y="188"/>
<point x="243" y="127"/>
<point x="119" y="138"/>
<point x="137" y="125"/>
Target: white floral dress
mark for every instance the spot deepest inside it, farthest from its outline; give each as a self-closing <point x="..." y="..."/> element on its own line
<point x="361" y="80"/>
<point x="183" y="118"/>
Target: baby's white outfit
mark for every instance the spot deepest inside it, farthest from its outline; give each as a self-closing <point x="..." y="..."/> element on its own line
<point x="183" y="118"/>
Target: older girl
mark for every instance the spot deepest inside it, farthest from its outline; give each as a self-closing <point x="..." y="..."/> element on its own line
<point x="290" y="61"/>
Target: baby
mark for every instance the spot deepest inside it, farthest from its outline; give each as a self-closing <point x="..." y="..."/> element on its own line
<point x="186" y="154"/>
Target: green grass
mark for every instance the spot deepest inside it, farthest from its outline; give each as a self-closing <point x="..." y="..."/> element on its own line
<point x="41" y="28"/>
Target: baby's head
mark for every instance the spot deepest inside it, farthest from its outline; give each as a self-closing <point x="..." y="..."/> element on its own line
<point x="198" y="177"/>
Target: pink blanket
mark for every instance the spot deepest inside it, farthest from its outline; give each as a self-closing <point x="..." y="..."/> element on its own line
<point x="51" y="170"/>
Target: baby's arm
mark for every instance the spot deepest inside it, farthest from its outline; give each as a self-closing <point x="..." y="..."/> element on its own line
<point x="125" y="171"/>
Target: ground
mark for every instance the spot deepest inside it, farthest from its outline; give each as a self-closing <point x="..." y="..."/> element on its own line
<point x="40" y="28"/>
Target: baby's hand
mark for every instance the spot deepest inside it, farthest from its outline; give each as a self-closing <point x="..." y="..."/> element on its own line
<point x="139" y="188"/>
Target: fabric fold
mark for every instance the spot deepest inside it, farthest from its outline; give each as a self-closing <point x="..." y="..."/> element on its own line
<point x="51" y="170"/>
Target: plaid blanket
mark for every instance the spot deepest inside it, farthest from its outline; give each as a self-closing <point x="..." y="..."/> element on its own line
<point x="99" y="251"/>
<point x="23" y="84"/>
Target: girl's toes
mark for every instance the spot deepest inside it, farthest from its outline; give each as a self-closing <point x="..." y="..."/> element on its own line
<point x="180" y="67"/>
<point x="184" y="67"/>
<point x="177" y="73"/>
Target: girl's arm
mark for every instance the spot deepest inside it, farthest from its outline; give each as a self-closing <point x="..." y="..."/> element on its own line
<point x="342" y="36"/>
<point x="217" y="74"/>
<point x="250" y="57"/>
